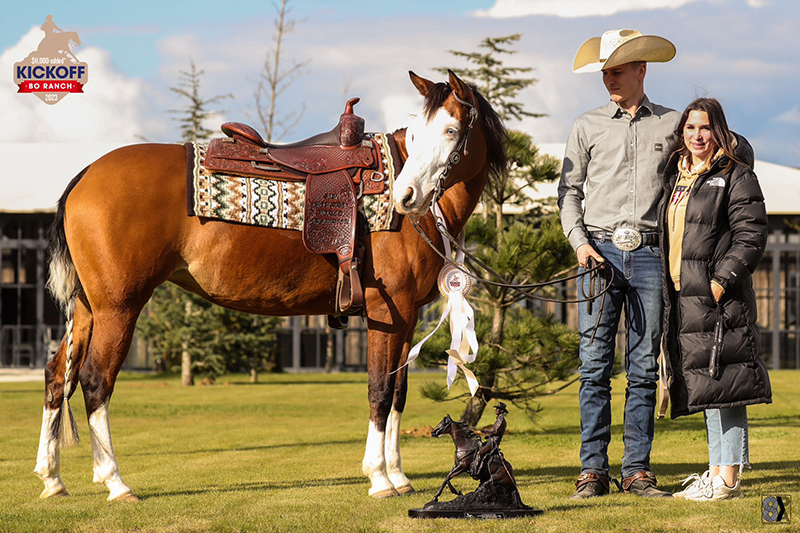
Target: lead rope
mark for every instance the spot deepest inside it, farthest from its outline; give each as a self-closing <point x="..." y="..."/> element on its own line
<point x="593" y="271"/>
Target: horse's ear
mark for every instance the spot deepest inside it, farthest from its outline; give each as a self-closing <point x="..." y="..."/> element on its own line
<point x="461" y="89"/>
<point x="421" y="84"/>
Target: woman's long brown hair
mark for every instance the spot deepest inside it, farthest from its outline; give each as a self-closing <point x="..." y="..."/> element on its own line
<point x="720" y="133"/>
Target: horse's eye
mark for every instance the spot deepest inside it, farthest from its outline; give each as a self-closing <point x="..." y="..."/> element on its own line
<point x="451" y="131"/>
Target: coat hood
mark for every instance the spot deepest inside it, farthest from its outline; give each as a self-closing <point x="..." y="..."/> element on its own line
<point x="743" y="150"/>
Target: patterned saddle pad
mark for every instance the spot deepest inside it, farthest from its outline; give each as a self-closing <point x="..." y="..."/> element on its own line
<point x="273" y="203"/>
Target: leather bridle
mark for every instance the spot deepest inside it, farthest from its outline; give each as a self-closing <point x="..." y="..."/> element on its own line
<point x="454" y="157"/>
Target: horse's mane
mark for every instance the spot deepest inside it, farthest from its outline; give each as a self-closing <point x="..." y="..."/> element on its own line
<point x="466" y="429"/>
<point x="492" y="125"/>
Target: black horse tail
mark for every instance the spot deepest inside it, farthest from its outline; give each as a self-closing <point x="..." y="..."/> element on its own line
<point x="65" y="286"/>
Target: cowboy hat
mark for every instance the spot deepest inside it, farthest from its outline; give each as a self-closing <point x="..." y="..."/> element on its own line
<point x="618" y="47"/>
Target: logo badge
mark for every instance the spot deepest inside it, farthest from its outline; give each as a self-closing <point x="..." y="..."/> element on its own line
<point x="776" y="509"/>
<point x="52" y="71"/>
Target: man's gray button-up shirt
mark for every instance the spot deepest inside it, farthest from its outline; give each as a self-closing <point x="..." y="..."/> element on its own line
<point x="612" y="171"/>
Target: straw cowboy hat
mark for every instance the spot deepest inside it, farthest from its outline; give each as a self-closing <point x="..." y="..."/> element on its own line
<point x="618" y="47"/>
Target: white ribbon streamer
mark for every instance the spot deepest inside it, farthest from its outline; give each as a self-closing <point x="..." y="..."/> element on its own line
<point x="464" y="342"/>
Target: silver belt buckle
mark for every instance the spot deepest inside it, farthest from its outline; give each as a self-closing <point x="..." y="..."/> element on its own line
<point x="626" y="239"/>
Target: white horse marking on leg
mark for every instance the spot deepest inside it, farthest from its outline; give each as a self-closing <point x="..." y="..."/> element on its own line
<point x="394" y="467"/>
<point x="106" y="470"/>
<point x="374" y="465"/>
<point x="48" y="460"/>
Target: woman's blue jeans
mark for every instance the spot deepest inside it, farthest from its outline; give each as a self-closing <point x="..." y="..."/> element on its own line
<point x="637" y="290"/>
<point x="727" y="434"/>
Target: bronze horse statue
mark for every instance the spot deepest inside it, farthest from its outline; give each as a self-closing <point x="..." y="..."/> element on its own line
<point x="121" y="230"/>
<point x="496" y="470"/>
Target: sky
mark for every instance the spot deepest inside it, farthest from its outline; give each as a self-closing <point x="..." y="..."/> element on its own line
<point x="743" y="52"/>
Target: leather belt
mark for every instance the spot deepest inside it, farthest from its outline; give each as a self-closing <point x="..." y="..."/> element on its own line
<point x="649" y="238"/>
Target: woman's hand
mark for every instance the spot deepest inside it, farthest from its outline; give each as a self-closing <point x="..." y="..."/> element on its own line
<point x="717" y="290"/>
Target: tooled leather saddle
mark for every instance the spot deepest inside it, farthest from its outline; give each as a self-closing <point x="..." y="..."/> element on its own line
<point x="338" y="167"/>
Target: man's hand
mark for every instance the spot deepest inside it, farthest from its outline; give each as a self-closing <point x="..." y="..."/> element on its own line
<point x="585" y="251"/>
<point x="717" y="290"/>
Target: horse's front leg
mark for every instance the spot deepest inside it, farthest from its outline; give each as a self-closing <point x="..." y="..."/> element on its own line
<point x="458" y="468"/>
<point x="390" y="333"/>
<point x="394" y="468"/>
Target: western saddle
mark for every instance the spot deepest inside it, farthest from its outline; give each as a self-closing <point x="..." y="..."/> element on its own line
<point x="338" y="167"/>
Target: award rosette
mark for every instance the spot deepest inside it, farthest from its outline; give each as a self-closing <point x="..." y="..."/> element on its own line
<point x="453" y="278"/>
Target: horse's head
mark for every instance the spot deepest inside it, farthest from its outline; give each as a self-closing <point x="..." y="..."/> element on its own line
<point x="457" y="137"/>
<point x="443" y="427"/>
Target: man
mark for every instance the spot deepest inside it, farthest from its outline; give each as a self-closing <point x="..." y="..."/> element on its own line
<point x="608" y="196"/>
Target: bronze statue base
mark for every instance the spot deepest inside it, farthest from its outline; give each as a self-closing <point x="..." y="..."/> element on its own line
<point x="480" y="514"/>
<point x="489" y="500"/>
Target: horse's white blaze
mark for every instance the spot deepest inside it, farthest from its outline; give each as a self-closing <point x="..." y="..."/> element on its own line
<point x="104" y="464"/>
<point x="48" y="461"/>
<point x="374" y="464"/>
<point x="394" y="468"/>
<point x="429" y="144"/>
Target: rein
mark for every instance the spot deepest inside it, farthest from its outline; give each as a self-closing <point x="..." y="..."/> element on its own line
<point x="596" y="287"/>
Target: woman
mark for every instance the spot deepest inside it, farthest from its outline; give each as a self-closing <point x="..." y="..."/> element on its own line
<point x="713" y="231"/>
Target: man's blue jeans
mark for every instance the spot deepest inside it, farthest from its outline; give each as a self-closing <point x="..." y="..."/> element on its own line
<point x="637" y="290"/>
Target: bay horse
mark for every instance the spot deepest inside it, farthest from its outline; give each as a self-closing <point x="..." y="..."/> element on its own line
<point x="467" y="444"/>
<point x="121" y="230"/>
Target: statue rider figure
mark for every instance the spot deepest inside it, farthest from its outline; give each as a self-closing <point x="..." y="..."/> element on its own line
<point x="49" y="27"/>
<point x="492" y="443"/>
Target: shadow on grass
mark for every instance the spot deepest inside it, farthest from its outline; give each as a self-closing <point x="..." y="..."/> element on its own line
<point x="785" y="473"/>
<point x="247" y="449"/>
<point x="309" y="382"/>
<point x="260" y="486"/>
<point x="692" y="423"/>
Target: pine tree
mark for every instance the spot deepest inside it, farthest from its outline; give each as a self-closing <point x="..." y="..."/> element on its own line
<point x="196" y="111"/>
<point x="521" y="352"/>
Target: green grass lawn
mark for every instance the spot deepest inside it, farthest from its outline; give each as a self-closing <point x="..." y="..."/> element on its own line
<point x="285" y="455"/>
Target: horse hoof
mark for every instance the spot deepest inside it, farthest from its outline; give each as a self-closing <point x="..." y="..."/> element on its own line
<point x="127" y="497"/>
<point x="387" y="493"/>
<point x="50" y="493"/>
<point x="405" y="490"/>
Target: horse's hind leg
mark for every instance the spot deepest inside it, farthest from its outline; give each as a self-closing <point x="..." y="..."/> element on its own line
<point x="57" y="420"/>
<point x="111" y="339"/>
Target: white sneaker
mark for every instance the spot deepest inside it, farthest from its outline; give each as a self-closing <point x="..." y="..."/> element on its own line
<point x="723" y="491"/>
<point x="698" y="483"/>
<point x="716" y="490"/>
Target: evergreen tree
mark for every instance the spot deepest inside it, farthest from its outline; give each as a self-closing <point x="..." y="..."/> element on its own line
<point x="520" y="351"/>
<point x="196" y="111"/>
<point x="190" y="334"/>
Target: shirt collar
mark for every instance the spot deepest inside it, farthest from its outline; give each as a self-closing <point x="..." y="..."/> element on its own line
<point x="615" y="111"/>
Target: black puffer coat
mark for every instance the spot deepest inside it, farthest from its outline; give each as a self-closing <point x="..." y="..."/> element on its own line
<point x="724" y="239"/>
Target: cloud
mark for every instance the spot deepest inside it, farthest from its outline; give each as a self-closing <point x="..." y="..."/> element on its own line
<point x="791" y="116"/>
<point x="108" y="111"/>
<point x="756" y="4"/>
<point x="577" y="8"/>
